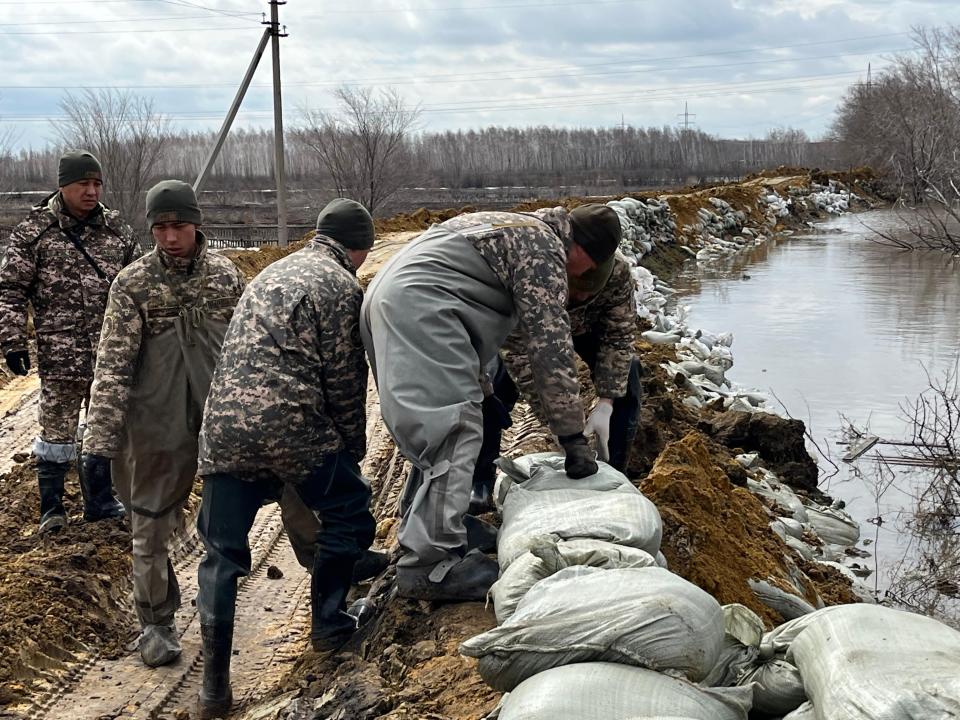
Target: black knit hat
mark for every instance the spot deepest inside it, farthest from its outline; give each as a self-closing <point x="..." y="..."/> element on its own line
<point x="347" y="222"/>
<point x="596" y="228"/>
<point x="77" y="165"/>
<point x="173" y="201"/>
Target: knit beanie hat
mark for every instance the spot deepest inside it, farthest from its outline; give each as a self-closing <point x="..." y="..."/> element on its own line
<point x="347" y="222"/>
<point x="77" y="165"/>
<point x="172" y="201"/>
<point x="596" y="228"/>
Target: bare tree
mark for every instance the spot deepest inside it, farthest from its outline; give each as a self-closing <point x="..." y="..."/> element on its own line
<point x="364" y="144"/>
<point x="125" y="133"/>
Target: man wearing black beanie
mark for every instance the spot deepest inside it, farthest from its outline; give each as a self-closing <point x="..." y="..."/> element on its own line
<point x="287" y="411"/>
<point x="61" y="261"/>
<point x="433" y="318"/>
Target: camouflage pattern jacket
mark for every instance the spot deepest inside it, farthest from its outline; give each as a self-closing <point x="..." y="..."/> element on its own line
<point x="43" y="267"/>
<point x="610" y="314"/>
<point x="162" y="332"/>
<point x="291" y="385"/>
<point x="528" y="253"/>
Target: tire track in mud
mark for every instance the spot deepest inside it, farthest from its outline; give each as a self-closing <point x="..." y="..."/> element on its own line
<point x="19" y="403"/>
<point x="270" y="634"/>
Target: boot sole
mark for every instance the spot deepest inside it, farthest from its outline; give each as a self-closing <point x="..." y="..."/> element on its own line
<point x="53" y="524"/>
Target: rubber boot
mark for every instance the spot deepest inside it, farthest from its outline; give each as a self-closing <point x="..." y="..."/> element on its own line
<point x="370" y="564"/>
<point x="99" y="502"/>
<point x="468" y="578"/>
<point x="331" y="626"/>
<point x="50" y="477"/>
<point x="481" y="494"/>
<point x="216" y="695"/>
<point x="481" y="535"/>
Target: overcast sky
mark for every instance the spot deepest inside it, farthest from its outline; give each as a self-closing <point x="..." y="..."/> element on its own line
<point x="742" y="66"/>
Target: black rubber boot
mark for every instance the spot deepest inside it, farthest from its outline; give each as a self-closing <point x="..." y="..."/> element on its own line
<point x="481" y="494"/>
<point x="467" y="579"/>
<point x="50" y="477"/>
<point x="481" y="535"/>
<point x="96" y="486"/>
<point x="331" y="626"/>
<point x="216" y="695"/>
<point x="370" y="564"/>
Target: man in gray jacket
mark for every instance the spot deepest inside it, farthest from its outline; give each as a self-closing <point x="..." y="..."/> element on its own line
<point x="432" y="319"/>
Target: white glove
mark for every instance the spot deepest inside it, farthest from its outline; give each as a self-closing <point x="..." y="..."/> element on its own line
<point x="599" y="424"/>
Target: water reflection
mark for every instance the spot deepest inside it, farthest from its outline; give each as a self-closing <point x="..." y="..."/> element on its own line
<point x="836" y="325"/>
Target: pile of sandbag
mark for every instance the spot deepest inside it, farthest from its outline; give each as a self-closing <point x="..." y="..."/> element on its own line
<point x="645" y="224"/>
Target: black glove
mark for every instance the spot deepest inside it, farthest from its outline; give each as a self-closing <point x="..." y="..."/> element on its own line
<point x="96" y="470"/>
<point x="18" y="361"/>
<point x="581" y="460"/>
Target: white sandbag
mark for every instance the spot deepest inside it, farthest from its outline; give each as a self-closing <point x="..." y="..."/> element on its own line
<point x="604" y="506"/>
<point x="867" y="662"/>
<point x="605" y="691"/>
<point x="647" y="617"/>
<point x="743" y="631"/>
<point x="779" y="493"/>
<point x="804" y="712"/>
<point x="777" y="687"/>
<point x="833" y="525"/>
<point x="547" y="556"/>
<point x="788" y="605"/>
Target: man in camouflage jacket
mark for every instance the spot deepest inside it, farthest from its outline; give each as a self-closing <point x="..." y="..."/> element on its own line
<point x="603" y="323"/>
<point x="433" y="317"/>
<point x="287" y="409"/>
<point x="166" y="317"/>
<point x="60" y="261"/>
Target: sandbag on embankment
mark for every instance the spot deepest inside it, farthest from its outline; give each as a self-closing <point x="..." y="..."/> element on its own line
<point x="605" y="691"/>
<point x="603" y="506"/>
<point x="549" y="555"/>
<point x="647" y="617"/>
<point x="866" y="662"/>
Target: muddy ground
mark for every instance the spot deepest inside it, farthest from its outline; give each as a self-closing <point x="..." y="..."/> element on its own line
<point x="65" y="600"/>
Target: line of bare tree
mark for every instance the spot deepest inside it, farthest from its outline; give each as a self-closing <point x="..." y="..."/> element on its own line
<point x="906" y="123"/>
<point x="371" y="147"/>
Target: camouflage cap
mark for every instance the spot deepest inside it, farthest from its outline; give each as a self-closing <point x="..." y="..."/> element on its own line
<point x="596" y="228"/>
<point x="172" y="201"/>
<point x="77" y="165"/>
<point x="347" y="222"/>
<point x="593" y="281"/>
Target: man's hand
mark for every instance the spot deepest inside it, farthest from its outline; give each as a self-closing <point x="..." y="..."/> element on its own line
<point x="581" y="460"/>
<point x="18" y="361"/>
<point x="599" y="424"/>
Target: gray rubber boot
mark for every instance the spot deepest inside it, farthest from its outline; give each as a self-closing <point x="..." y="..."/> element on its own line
<point x="159" y="645"/>
<point x="469" y="578"/>
<point x="216" y="695"/>
<point x="50" y="477"/>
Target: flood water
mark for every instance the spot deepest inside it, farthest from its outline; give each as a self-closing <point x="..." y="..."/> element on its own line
<point x="838" y="326"/>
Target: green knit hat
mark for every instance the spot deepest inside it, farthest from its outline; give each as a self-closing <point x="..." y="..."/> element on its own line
<point x="172" y="201"/>
<point x="347" y="222"/>
<point x="77" y="165"/>
<point x="596" y="228"/>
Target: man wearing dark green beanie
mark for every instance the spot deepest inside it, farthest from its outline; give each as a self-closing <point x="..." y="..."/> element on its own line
<point x="61" y="261"/>
<point x="287" y="413"/>
<point x="165" y="321"/>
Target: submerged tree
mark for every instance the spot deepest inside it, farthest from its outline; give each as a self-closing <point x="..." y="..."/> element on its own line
<point x="363" y="146"/>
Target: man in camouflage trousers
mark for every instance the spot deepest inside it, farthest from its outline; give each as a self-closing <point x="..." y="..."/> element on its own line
<point x="166" y="317"/>
<point x="287" y="409"/>
<point x="432" y="319"/>
<point x="61" y="261"/>
<point x="603" y="322"/>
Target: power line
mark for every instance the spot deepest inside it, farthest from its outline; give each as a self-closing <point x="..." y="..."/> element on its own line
<point x="115" y="20"/>
<point x="125" y="32"/>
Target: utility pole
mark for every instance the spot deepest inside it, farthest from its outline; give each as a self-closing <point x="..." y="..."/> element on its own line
<point x="686" y="115"/>
<point x="278" y="160"/>
<point x="271" y="31"/>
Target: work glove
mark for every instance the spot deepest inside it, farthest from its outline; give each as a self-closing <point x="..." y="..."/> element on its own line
<point x="599" y="424"/>
<point x="581" y="460"/>
<point x="18" y="361"/>
<point x="96" y="470"/>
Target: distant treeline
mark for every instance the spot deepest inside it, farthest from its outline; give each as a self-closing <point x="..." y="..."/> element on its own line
<point x="493" y="156"/>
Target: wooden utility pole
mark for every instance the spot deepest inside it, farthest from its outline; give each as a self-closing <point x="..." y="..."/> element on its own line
<point x="278" y="159"/>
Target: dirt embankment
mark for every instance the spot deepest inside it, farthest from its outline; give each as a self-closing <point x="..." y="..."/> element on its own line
<point x="65" y="599"/>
